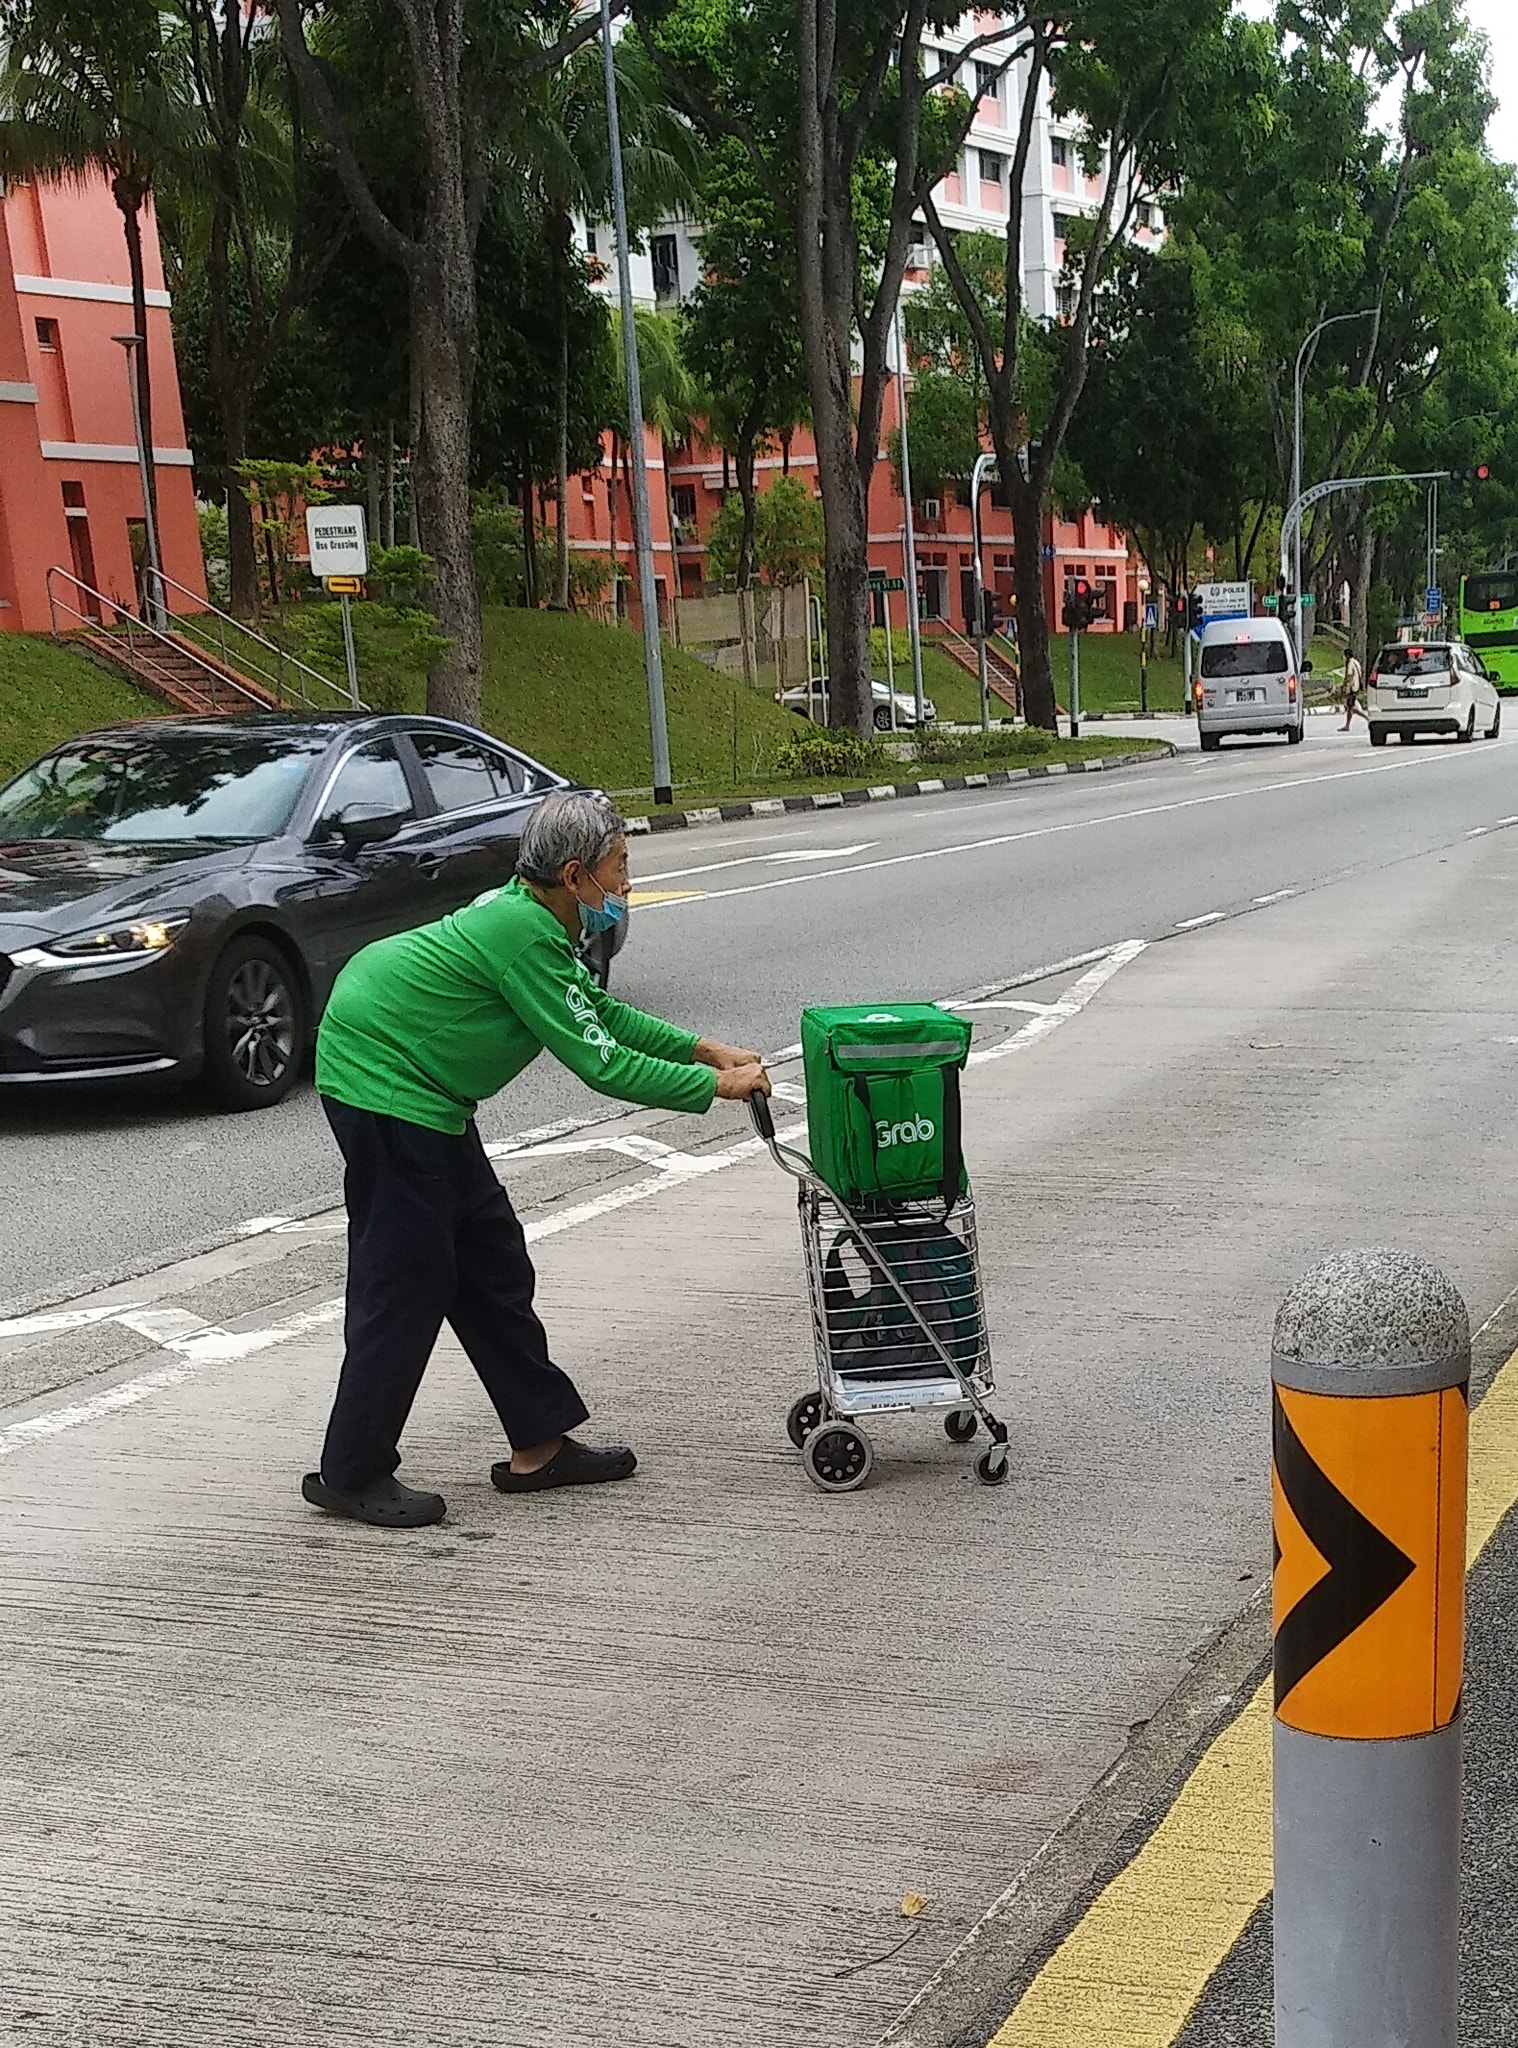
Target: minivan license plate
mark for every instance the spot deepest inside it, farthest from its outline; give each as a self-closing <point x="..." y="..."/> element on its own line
<point x="1412" y="693"/>
<point x="1246" y="696"/>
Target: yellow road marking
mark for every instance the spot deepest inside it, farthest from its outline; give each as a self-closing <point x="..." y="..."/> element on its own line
<point x="1130" y="1973"/>
<point x="664" y="895"/>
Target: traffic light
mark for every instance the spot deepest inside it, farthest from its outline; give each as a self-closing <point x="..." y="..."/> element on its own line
<point x="1481" y="473"/>
<point x="1080" y="604"/>
<point x="1193" y="609"/>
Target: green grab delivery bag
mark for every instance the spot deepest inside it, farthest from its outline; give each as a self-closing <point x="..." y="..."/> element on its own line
<point x="882" y="1101"/>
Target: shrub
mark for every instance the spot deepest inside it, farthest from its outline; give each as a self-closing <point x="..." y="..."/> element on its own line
<point x="828" y="753"/>
<point x="971" y="750"/>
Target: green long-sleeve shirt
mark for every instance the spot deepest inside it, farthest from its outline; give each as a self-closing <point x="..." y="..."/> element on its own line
<point x="425" y="1025"/>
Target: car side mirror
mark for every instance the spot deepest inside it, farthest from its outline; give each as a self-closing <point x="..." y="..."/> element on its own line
<point x="359" y="825"/>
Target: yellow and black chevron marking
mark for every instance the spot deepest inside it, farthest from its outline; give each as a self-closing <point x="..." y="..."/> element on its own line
<point x="1369" y="1544"/>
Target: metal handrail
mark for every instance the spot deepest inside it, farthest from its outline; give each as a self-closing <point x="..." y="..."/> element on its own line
<point x="284" y="661"/>
<point x="135" y="626"/>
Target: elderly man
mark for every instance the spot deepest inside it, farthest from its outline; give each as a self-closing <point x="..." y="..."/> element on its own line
<point x="419" y="1030"/>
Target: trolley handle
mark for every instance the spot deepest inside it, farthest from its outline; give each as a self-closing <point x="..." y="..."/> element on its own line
<point x="759" y="1110"/>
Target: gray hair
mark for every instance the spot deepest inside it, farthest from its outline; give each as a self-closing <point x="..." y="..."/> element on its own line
<point x="572" y="825"/>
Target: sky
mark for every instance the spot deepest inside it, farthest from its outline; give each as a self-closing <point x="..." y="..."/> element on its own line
<point x="1498" y="21"/>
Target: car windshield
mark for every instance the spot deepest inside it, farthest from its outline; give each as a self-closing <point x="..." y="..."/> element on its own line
<point x="1244" y="658"/>
<point x="189" y="786"/>
<point x="1413" y="661"/>
<point x="1491" y="593"/>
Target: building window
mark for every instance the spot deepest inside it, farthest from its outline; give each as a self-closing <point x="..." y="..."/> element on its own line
<point x="1064" y="300"/>
<point x="993" y="168"/>
<point x="666" y="262"/>
<point x="987" y="80"/>
<point x="47" y="336"/>
<point x="590" y="243"/>
<point x="73" y="499"/>
<point x="1059" y="151"/>
<point x="1063" y="222"/>
<point x="1144" y="215"/>
<point x="683" y="496"/>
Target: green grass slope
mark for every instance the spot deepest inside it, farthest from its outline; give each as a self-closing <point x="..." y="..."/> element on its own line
<point x="48" y="692"/>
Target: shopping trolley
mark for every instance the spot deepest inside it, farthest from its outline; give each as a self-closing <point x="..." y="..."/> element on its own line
<point x="899" y="1323"/>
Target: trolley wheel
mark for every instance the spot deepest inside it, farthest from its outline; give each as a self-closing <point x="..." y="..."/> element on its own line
<point x="805" y="1416"/>
<point x="837" y="1457"/>
<point x="991" y="1467"/>
<point x="960" y="1424"/>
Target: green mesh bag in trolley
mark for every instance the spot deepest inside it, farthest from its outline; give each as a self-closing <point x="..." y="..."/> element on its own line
<point x="882" y="1101"/>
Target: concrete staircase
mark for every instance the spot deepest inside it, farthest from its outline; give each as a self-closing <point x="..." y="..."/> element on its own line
<point x="184" y="676"/>
<point x="1001" y="673"/>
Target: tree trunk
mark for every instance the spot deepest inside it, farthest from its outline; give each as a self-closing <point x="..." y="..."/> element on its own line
<point x="242" y="557"/>
<point x="529" y="549"/>
<point x="129" y="195"/>
<point x="611" y="524"/>
<point x="442" y="341"/>
<point x="374" y="484"/>
<point x="389" y="489"/>
<point x="1034" y="659"/>
<point x="560" y="600"/>
<point x="1364" y="563"/>
<point x="745" y="456"/>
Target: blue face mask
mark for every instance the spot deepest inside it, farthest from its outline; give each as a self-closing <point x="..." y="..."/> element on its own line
<point x="612" y="911"/>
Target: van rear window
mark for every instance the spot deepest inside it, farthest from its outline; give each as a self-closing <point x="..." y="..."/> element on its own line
<point x="1244" y="658"/>
<point x="1417" y="660"/>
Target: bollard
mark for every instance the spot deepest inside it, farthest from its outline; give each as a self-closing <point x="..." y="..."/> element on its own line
<point x="1370" y="1369"/>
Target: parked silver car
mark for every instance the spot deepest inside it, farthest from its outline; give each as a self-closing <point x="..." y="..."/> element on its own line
<point x="809" y="700"/>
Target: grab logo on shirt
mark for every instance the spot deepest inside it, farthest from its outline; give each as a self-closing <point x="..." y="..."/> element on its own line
<point x="593" y="1031"/>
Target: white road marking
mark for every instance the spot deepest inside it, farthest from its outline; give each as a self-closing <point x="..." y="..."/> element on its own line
<point x="1070" y="1004"/>
<point x="1507" y="821"/>
<point x="51" y="1324"/>
<point x="1478" y="831"/>
<point x="897" y="860"/>
<point x="1275" y="896"/>
<point x="1000" y="1003"/>
<point x="1191" y="924"/>
<point x="823" y="852"/>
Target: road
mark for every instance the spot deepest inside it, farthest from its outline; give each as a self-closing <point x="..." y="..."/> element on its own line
<point x="927" y="897"/>
<point x="655" y="1767"/>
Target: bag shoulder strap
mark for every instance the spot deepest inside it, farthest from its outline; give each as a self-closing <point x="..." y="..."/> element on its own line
<point x="953" y="1145"/>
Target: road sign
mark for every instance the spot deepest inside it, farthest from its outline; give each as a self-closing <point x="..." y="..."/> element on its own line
<point x="887" y="582"/>
<point x="335" y="534"/>
<point x="1151" y="617"/>
<point x="345" y="586"/>
<point x="1226" y="600"/>
<point x="1434" y="602"/>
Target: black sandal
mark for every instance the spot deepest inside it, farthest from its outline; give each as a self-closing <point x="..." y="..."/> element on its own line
<point x="384" y="1503"/>
<point x="573" y="1464"/>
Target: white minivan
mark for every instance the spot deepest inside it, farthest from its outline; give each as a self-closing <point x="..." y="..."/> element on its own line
<point x="1431" y="686"/>
<point x="1247" y="681"/>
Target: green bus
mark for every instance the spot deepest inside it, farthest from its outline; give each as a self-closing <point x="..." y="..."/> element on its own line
<point x="1489" y="623"/>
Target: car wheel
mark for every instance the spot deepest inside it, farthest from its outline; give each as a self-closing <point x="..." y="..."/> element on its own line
<point x="1378" y="735"/>
<point x="1470" y="729"/>
<point x="1405" y="738"/>
<point x="1209" y="741"/>
<point x="255" y="1026"/>
<point x="882" y="718"/>
<point x="1496" y="725"/>
<point x="1295" y="734"/>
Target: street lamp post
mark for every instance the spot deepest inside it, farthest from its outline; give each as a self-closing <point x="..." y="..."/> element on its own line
<point x="909" y="531"/>
<point x="648" y="595"/>
<point x="983" y="463"/>
<point x="153" y="595"/>
<point x="1366" y="313"/>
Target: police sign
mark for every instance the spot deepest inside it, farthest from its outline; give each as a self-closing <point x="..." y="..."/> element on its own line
<point x="335" y="534"/>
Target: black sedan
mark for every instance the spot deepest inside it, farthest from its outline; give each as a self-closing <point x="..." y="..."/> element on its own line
<point x="177" y="896"/>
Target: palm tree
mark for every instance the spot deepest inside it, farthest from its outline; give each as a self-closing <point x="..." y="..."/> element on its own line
<point x="559" y="157"/>
<point x="672" y="404"/>
<point x="99" y="87"/>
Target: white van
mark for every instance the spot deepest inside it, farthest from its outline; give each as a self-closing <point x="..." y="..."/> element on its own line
<point x="1247" y="681"/>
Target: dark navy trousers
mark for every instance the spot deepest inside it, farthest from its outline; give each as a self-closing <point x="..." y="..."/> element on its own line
<point x="431" y="1239"/>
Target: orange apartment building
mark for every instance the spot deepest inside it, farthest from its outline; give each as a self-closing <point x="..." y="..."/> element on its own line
<point x="70" y="486"/>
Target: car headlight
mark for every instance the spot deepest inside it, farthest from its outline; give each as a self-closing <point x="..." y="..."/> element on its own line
<point x="110" y="942"/>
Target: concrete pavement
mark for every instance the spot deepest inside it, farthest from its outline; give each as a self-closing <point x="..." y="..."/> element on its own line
<point x="657" y="1766"/>
<point x="925" y="897"/>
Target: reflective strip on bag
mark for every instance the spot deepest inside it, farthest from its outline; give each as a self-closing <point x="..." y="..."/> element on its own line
<point x="923" y="1048"/>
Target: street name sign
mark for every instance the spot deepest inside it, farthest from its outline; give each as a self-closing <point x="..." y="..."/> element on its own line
<point x="336" y="537"/>
<point x="887" y="582"/>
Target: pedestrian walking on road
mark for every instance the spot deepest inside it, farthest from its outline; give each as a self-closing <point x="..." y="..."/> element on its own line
<point x="420" y="1029"/>
<point x="1352" y="693"/>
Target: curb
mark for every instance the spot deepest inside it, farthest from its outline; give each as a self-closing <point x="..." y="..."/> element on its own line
<point x="838" y="799"/>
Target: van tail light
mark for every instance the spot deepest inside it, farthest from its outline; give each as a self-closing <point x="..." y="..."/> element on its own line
<point x="1291" y="689"/>
<point x="1375" y="677"/>
<point x="1196" y="691"/>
